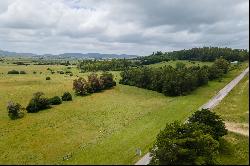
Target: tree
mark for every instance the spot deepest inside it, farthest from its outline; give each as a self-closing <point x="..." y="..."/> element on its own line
<point x="37" y="103"/>
<point x="96" y="84"/>
<point x="66" y="96"/>
<point x="184" y="144"/>
<point x="81" y="87"/>
<point x="222" y="64"/>
<point x="107" y="80"/>
<point x="214" y="72"/>
<point x="211" y="119"/>
<point x="203" y="75"/>
<point x="15" y="110"/>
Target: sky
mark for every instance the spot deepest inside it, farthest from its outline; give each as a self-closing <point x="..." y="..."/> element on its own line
<point x="137" y="27"/>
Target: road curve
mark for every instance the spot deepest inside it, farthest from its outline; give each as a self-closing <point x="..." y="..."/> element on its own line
<point x="210" y="104"/>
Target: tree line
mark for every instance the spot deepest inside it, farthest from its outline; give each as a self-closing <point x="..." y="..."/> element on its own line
<point x="174" y="81"/>
<point x="106" y="65"/>
<point x="197" y="54"/>
<point x="194" y="54"/>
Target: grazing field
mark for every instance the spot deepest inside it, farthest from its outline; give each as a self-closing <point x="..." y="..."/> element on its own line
<point x="102" y="128"/>
<point x="186" y="62"/>
<point x="235" y="106"/>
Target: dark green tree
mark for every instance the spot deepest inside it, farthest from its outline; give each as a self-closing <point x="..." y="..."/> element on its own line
<point x="211" y="119"/>
<point x="184" y="144"/>
<point x="37" y="103"/>
<point x="222" y="64"/>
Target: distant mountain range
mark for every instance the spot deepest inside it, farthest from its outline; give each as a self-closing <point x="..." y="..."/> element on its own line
<point x="70" y="55"/>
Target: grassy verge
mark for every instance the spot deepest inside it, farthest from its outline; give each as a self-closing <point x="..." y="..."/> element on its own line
<point x="234" y="150"/>
<point x="235" y="106"/>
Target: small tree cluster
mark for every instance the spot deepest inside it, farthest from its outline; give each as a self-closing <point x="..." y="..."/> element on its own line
<point x="13" y="72"/>
<point x="94" y="84"/>
<point x="171" y="81"/>
<point x="15" y="110"/>
<point x="193" y="143"/>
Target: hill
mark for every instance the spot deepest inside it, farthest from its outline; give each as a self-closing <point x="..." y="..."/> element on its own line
<point x="70" y="55"/>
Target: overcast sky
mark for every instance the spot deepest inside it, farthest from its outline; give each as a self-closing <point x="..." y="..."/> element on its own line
<point x="122" y="26"/>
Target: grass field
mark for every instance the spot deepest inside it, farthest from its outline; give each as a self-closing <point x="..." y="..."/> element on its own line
<point x="235" y="106"/>
<point x="102" y="128"/>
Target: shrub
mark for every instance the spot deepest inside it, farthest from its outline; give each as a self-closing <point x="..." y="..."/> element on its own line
<point x="19" y="63"/>
<point x="81" y="87"/>
<point x="37" y="103"/>
<point x="56" y="100"/>
<point x="71" y="74"/>
<point x="48" y="78"/>
<point x="96" y="85"/>
<point x="13" y="72"/>
<point x="68" y="72"/>
<point x="210" y="119"/>
<point x="66" y="96"/>
<point x="184" y="144"/>
<point x="107" y="80"/>
<point x="15" y="110"/>
<point x="22" y="72"/>
<point x="34" y="72"/>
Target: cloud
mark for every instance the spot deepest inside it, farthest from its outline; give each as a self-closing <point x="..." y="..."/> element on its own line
<point x="122" y="26"/>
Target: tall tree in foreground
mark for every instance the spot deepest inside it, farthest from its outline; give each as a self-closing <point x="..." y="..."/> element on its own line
<point x="210" y="119"/>
<point x="184" y="144"/>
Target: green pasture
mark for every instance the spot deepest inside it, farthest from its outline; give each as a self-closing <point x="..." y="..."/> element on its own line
<point x="102" y="128"/>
